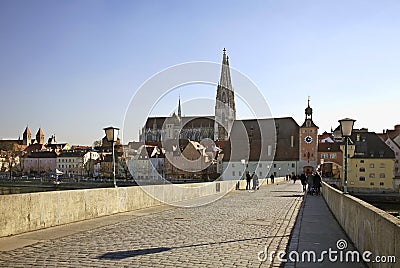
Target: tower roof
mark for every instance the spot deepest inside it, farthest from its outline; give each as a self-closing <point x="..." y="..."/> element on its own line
<point x="308" y="110"/>
<point x="27" y="131"/>
<point x="39" y="133"/>
<point x="225" y="80"/>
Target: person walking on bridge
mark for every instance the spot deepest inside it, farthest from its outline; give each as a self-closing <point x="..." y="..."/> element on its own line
<point x="255" y="181"/>
<point x="310" y="182"/>
<point x="303" y="180"/>
<point x="248" y="180"/>
<point x="317" y="183"/>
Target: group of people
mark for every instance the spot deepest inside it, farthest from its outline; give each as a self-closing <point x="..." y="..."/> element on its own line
<point x="253" y="177"/>
<point x="313" y="180"/>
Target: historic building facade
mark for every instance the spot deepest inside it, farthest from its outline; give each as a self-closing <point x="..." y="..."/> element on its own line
<point x="216" y="127"/>
<point x="308" y="142"/>
<point x="276" y="146"/>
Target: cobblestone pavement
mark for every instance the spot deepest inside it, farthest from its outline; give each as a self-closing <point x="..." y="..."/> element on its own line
<point x="228" y="233"/>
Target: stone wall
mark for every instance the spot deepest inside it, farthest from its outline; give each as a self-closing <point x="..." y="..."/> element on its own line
<point x="368" y="227"/>
<point x="21" y="213"/>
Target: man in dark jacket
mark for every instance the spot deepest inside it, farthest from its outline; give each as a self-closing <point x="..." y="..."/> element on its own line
<point x="248" y="180"/>
<point x="317" y="183"/>
<point x="303" y="180"/>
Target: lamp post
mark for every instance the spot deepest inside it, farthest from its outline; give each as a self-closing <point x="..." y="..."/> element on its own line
<point x="112" y="136"/>
<point x="346" y="127"/>
<point x="243" y="161"/>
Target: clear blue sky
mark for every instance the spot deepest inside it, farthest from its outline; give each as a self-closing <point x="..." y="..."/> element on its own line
<point x="71" y="67"/>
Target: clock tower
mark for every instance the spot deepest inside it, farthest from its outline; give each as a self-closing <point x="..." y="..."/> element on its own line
<point x="308" y="158"/>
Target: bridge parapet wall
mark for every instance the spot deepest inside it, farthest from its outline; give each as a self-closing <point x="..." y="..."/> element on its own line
<point x="369" y="228"/>
<point x="21" y="213"/>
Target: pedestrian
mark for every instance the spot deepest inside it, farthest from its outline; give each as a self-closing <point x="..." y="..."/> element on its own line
<point x="317" y="183"/>
<point x="310" y="182"/>
<point x="294" y="177"/>
<point x="272" y="177"/>
<point x="255" y="181"/>
<point x="303" y="180"/>
<point x="248" y="180"/>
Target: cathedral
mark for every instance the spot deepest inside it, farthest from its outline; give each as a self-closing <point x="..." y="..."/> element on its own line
<point x="287" y="148"/>
<point x="215" y="127"/>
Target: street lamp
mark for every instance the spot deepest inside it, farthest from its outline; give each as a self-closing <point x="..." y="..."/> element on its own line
<point x="112" y="136"/>
<point x="346" y="126"/>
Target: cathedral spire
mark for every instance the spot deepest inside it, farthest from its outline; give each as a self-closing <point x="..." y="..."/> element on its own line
<point x="225" y="112"/>
<point x="225" y="80"/>
<point x="179" y="108"/>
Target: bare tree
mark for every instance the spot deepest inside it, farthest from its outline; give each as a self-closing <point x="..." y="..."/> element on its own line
<point x="97" y="143"/>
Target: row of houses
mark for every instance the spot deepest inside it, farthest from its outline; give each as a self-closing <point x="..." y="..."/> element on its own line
<point x="373" y="164"/>
<point x="33" y="157"/>
<point x="373" y="159"/>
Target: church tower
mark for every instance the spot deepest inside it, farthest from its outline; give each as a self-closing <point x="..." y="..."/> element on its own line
<point x="225" y="112"/>
<point x="40" y="136"/>
<point x="27" y="137"/>
<point x="308" y="143"/>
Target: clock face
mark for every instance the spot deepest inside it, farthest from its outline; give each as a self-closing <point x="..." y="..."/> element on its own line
<point x="308" y="139"/>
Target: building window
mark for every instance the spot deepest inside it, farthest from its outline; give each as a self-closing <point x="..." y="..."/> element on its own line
<point x="362" y="178"/>
<point x="372" y="175"/>
<point x="240" y="174"/>
<point x="372" y="183"/>
<point x="260" y="174"/>
<point x="324" y="156"/>
<point x="260" y="165"/>
<point x="381" y="184"/>
<point x="333" y="155"/>
<point x="274" y="165"/>
<point x="371" y="165"/>
<point x="382" y="165"/>
<point x="382" y="175"/>
<point x="293" y="165"/>
<point x="233" y="173"/>
<point x="362" y="169"/>
<point x="361" y="161"/>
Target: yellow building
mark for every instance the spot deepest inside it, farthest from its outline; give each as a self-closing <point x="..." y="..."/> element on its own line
<point x="370" y="163"/>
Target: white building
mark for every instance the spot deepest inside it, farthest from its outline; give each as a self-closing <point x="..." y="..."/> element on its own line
<point x="147" y="165"/>
<point x="71" y="163"/>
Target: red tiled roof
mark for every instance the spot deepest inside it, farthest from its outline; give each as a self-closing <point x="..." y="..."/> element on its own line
<point x="34" y="147"/>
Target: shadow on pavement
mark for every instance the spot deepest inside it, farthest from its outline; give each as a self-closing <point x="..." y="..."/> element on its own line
<point x="290" y="195"/>
<point x="119" y="255"/>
